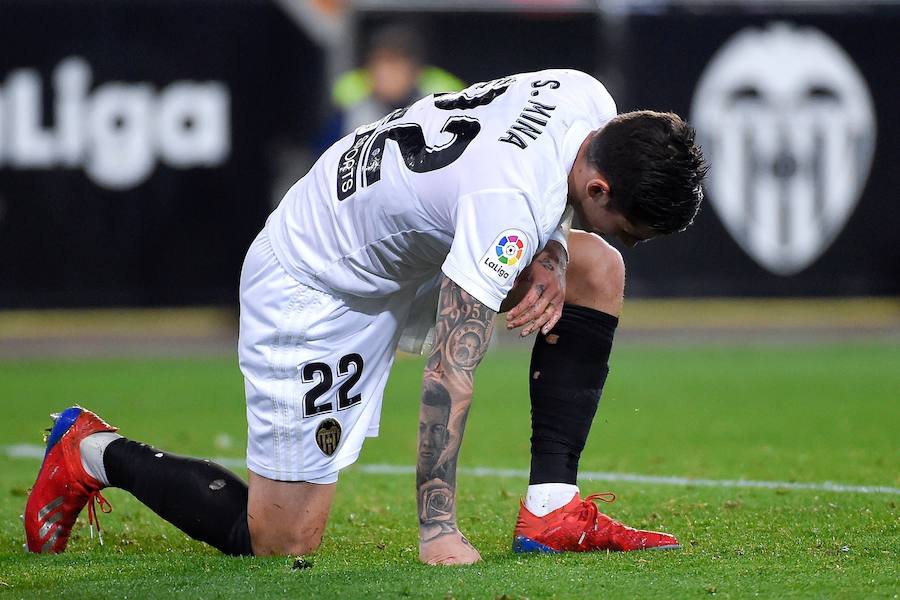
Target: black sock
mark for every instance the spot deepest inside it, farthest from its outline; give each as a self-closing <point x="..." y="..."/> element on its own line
<point x="202" y="499"/>
<point x="568" y="369"/>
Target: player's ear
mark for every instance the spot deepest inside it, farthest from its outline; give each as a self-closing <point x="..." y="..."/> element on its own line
<point x="598" y="189"/>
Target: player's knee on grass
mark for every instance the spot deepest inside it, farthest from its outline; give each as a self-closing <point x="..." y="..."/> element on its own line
<point x="284" y="539"/>
<point x="596" y="274"/>
<point x="287" y="518"/>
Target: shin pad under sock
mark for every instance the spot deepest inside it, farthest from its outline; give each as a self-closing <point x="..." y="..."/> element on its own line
<point x="200" y="498"/>
<point x="568" y="369"/>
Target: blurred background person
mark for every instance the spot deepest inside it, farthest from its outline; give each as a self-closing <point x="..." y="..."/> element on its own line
<point x="394" y="74"/>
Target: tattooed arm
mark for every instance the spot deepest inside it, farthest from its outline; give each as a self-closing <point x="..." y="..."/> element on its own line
<point x="462" y="333"/>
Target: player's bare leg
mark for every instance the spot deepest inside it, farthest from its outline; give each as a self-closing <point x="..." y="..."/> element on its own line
<point x="568" y="370"/>
<point x="596" y="274"/>
<point x="204" y="500"/>
<point x="287" y="517"/>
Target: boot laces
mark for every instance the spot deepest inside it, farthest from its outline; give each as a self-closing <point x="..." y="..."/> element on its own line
<point x="95" y="497"/>
<point x="589" y="512"/>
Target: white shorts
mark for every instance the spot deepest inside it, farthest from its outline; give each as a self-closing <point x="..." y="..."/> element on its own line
<point x="314" y="367"/>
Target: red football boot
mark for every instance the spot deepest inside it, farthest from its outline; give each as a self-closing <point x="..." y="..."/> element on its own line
<point x="63" y="487"/>
<point x="579" y="526"/>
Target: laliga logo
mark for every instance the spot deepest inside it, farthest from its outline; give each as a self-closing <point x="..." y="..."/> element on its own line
<point x="117" y="131"/>
<point x="787" y="123"/>
<point x="503" y="255"/>
<point x="509" y="249"/>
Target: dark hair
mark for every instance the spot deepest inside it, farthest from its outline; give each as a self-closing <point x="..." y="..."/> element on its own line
<point x="434" y="394"/>
<point x="653" y="168"/>
<point x="398" y="39"/>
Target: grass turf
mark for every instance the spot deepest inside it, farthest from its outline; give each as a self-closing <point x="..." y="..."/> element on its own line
<point x="801" y="413"/>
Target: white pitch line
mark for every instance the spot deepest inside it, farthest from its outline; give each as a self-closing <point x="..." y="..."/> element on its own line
<point x="32" y="451"/>
<point x="825" y="486"/>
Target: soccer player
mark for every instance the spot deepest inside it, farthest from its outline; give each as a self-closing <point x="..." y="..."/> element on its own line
<point x="415" y="231"/>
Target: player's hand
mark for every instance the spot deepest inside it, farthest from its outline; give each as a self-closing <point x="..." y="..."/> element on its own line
<point x="448" y="549"/>
<point x="542" y="306"/>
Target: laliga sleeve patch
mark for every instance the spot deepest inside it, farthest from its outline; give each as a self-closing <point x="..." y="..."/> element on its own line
<point x="503" y="259"/>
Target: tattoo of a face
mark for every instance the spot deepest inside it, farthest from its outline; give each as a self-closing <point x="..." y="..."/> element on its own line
<point x="434" y="420"/>
<point x="462" y="333"/>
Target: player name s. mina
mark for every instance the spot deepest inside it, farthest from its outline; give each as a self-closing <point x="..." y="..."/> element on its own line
<point x="529" y="124"/>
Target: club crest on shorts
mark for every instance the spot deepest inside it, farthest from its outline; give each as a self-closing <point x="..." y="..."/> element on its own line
<point x="503" y="260"/>
<point x="787" y="122"/>
<point x="328" y="436"/>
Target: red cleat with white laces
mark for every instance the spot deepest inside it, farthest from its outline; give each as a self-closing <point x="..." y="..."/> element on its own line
<point x="579" y="526"/>
<point x="63" y="487"/>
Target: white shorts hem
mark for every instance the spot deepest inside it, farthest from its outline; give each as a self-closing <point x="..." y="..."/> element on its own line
<point x="314" y="476"/>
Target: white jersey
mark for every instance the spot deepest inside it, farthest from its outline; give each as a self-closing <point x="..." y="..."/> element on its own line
<point x="472" y="184"/>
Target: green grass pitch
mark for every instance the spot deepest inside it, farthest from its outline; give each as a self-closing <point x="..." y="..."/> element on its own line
<point x="802" y="413"/>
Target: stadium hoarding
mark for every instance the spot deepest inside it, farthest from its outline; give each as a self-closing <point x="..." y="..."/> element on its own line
<point x="794" y="110"/>
<point x="137" y="142"/>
